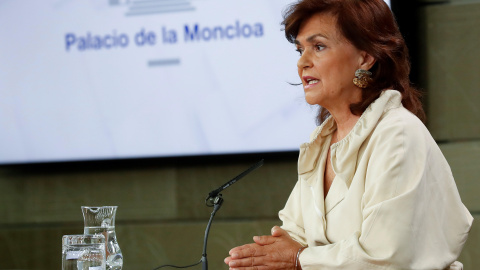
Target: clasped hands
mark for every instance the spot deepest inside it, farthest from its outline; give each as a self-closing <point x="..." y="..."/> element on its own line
<point x="274" y="252"/>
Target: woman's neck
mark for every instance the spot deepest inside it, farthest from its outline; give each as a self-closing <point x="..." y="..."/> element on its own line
<point x="345" y="122"/>
<point x="341" y="113"/>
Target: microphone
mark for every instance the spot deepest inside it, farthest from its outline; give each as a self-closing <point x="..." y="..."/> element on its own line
<point x="214" y="193"/>
<point x="215" y="199"/>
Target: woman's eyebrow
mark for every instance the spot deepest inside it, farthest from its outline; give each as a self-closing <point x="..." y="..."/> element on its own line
<point x="311" y="38"/>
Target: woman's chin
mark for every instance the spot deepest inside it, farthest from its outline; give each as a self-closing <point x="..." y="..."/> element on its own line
<point x="311" y="100"/>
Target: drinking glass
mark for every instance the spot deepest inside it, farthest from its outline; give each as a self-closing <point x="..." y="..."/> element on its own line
<point x="83" y="252"/>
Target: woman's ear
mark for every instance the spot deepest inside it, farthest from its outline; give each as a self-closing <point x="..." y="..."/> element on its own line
<point x="366" y="61"/>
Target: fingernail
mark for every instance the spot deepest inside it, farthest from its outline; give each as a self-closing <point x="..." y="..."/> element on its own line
<point x="234" y="255"/>
<point x="256" y="238"/>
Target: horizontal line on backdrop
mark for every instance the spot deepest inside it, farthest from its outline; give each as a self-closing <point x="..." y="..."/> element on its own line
<point x="163" y="62"/>
<point x="475" y="213"/>
<point x="153" y="1"/>
<point x="457" y="140"/>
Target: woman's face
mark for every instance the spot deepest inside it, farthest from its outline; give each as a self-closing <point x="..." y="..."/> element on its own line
<point x="328" y="63"/>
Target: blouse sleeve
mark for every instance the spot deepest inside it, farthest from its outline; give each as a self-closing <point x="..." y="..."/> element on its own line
<point x="291" y="217"/>
<point x="413" y="217"/>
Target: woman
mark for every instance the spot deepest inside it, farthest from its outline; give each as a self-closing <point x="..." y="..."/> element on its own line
<point x="374" y="190"/>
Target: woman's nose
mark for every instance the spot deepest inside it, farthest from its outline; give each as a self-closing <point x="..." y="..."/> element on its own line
<point x="304" y="61"/>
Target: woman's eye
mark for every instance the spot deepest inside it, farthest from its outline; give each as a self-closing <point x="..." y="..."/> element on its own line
<point x="319" y="47"/>
<point x="300" y="51"/>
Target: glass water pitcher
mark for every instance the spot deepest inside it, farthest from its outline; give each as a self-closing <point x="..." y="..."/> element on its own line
<point x="101" y="220"/>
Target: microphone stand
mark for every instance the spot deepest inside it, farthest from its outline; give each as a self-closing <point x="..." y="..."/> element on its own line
<point x="217" y="203"/>
<point x="215" y="199"/>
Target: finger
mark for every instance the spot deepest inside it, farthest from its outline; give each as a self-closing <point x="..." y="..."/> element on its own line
<point x="247" y="262"/>
<point x="237" y="249"/>
<point x="252" y="250"/>
<point x="274" y="228"/>
<point x="227" y="260"/>
<point x="262" y="267"/>
<point x="264" y="240"/>
<point x="277" y="232"/>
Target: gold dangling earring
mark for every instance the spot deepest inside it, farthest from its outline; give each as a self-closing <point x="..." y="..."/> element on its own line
<point x="362" y="78"/>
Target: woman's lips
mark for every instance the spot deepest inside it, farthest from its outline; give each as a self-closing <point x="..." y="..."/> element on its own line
<point x="309" y="81"/>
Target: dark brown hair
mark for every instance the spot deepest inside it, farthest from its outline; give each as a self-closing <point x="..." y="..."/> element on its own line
<point x="368" y="25"/>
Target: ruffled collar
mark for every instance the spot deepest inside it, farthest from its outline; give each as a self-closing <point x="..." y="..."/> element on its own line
<point x="344" y="153"/>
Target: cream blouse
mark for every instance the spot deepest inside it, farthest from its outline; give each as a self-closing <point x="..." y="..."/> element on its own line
<point x="393" y="203"/>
